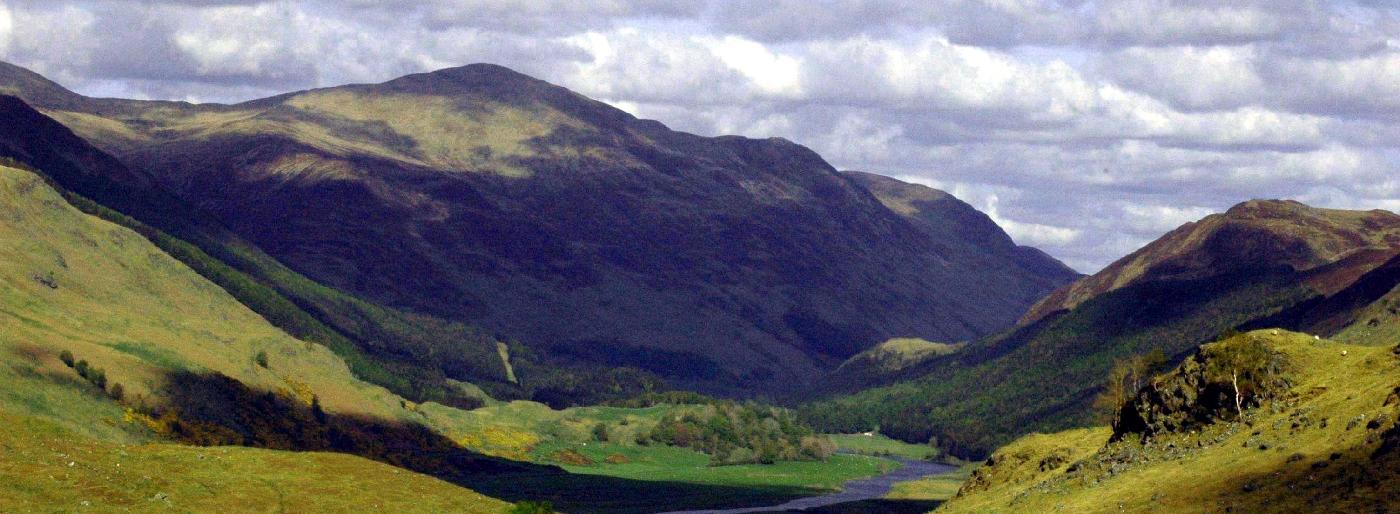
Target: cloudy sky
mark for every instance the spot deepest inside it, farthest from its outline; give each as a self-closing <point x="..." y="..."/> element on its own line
<point x="1086" y="128"/>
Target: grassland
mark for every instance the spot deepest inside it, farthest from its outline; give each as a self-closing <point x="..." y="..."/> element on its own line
<point x="1313" y="449"/>
<point x="42" y="464"/>
<point x="881" y="446"/>
<point x="942" y="487"/>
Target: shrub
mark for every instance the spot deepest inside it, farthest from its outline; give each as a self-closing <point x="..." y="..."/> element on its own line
<point x="531" y="507"/>
<point x="261" y="358"/>
<point x="600" y="433"/>
<point x="117" y="391"/>
<point x="67" y="358"/>
<point x="82" y="368"/>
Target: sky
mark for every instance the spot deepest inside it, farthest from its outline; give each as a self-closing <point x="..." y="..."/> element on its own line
<point x="1085" y="128"/>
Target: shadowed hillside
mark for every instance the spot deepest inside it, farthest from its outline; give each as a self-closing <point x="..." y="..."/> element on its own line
<point x="480" y="195"/>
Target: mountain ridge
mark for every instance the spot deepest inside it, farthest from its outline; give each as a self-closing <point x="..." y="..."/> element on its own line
<point x="481" y="195"/>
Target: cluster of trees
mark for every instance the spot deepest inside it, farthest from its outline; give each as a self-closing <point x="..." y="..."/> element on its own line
<point x="1125" y="379"/>
<point x="94" y="375"/>
<point x="740" y="433"/>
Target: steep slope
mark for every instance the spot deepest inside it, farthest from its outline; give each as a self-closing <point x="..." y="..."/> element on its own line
<point x="1248" y="236"/>
<point x="1044" y="376"/>
<point x="100" y="328"/>
<point x="481" y="195"/>
<point x="411" y="354"/>
<point x="1324" y="442"/>
<point x="968" y="237"/>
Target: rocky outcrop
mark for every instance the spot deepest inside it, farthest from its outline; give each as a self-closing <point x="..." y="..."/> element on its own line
<point x="1219" y="382"/>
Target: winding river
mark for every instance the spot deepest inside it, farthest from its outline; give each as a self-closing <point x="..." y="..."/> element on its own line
<point x="852" y="491"/>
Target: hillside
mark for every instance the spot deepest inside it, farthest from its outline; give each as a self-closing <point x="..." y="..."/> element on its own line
<point x="1250" y="235"/>
<point x="1325" y="441"/>
<point x="83" y="290"/>
<point x="120" y="351"/>
<point x="482" y="196"/>
<point x="44" y="465"/>
<point x="1044" y="376"/>
<point x="414" y="355"/>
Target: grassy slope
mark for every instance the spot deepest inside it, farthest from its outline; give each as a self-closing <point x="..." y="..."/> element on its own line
<point x="43" y="464"/>
<point x="123" y="305"/>
<point x="1310" y="451"/>
<point x="73" y="282"/>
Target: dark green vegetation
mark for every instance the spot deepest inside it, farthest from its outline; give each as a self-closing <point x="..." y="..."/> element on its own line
<point x="1314" y="432"/>
<point x="482" y="197"/>
<point x="734" y="433"/>
<point x="1256" y="262"/>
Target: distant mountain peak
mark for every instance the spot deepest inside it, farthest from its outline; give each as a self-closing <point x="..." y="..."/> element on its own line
<point x="1256" y="234"/>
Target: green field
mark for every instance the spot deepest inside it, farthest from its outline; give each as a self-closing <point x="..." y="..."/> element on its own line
<point x="881" y="446"/>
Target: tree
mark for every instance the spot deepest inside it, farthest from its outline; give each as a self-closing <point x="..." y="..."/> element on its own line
<point x="530" y="507"/>
<point x="1247" y="364"/>
<point x="1126" y="378"/>
<point x="600" y="433"/>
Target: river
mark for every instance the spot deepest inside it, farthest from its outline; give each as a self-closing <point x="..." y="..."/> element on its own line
<point x="852" y="491"/>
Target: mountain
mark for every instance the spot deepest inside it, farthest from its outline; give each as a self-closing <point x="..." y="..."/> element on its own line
<point x="481" y="196"/>
<point x="1250" y="235"/>
<point x="1260" y="264"/>
<point x="1323" y="440"/>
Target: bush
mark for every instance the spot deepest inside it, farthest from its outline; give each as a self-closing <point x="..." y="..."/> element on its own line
<point x="117" y="391"/>
<point x="261" y="358"/>
<point x="67" y="358"/>
<point x="82" y="368"/>
<point x="600" y="433"/>
<point x="530" y="507"/>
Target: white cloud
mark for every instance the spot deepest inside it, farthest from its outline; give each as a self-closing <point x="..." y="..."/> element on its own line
<point x="7" y="27"/>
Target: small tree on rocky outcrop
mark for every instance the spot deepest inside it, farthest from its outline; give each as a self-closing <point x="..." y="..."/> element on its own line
<point x="1248" y="365"/>
<point x="1219" y="382"/>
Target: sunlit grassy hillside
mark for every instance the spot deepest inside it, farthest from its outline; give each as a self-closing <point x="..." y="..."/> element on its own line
<point x="43" y="465"/>
<point x="77" y="286"/>
<point x="107" y="295"/>
<point x="1326" y="443"/>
